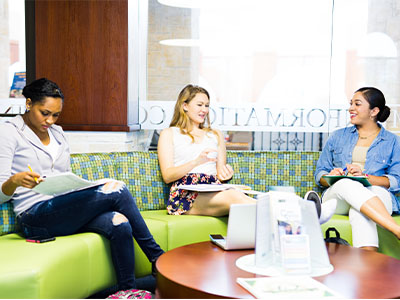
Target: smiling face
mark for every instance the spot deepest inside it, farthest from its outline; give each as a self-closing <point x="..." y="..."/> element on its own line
<point x="42" y="114"/>
<point x="360" y="112"/>
<point x="197" y="109"/>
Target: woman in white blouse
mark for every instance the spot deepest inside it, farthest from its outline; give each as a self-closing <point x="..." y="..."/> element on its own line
<point x="34" y="141"/>
<point x="190" y="152"/>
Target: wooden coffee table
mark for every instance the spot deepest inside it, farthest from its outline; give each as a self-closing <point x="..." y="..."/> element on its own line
<point x="203" y="270"/>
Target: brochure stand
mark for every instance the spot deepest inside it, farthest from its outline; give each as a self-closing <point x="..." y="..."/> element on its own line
<point x="289" y="240"/>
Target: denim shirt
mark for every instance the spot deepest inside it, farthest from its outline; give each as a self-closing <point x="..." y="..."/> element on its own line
<point x="383" y="157"/>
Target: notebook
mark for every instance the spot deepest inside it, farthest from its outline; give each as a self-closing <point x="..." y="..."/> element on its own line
<point x="241" y="233"/>
<point x="331" y="179"/>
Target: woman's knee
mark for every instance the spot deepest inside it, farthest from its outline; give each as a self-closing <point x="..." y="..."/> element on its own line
<point x="239" y="197"/>
<point x="350" y="191"/>
<point x="121" y="226"/>
<point x="383" y="195"/>
<point x="119" y="218"/>
<point x="113" y="186"/>
<point x="124" y="196"/>
<point x="345" y="184"/>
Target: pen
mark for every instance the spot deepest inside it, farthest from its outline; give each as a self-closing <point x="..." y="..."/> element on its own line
<point x="30" y="169"/>
<point x="344" y="170"/>
<point x="7" y="110"/>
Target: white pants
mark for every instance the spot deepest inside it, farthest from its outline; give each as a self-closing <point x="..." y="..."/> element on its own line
<point x="350" y="196"/>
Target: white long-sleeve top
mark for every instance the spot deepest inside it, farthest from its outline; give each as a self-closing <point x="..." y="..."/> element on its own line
<point x="20" y="146"/>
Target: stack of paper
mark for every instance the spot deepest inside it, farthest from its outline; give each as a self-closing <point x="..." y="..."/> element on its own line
<point x="217" y="188"/>
<point x="64" y="183"/>
<point x="287" y="287"/>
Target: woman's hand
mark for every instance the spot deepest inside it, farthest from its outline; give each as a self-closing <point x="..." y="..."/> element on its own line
<point x="225" y="173"/>
<point x="354" y="170"/>
<point x="337" y="172"/>
<point x="26" y="179"/>
<point x="206" y="155"/>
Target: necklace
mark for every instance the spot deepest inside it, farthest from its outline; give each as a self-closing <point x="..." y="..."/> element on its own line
<point x="368" y="136"/>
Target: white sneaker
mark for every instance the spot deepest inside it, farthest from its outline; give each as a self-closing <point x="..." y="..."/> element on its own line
<point x="328" y="208"/>
<point x="314" y="197"/>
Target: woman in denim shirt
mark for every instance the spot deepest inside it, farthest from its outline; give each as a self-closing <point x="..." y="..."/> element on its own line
<point x="363" y="149"/>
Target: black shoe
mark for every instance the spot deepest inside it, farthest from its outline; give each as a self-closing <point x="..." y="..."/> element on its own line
<point x="314" y="197"/>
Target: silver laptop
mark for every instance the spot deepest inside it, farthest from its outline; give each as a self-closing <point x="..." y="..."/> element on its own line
<point x="241" y="233"/>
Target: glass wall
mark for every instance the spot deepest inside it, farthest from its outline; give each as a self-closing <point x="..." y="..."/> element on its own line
<point x="281" y="70"/>
<point x="12" y="57"/>
<point x="12" y="43"/>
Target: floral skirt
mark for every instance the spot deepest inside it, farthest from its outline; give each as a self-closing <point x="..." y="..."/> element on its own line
<point x="180" y="201"/>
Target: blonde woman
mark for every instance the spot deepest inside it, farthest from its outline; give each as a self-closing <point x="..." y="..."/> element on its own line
<point x="190" y="152"/>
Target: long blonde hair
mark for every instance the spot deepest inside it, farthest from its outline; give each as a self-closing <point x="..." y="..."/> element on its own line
<point x="180" y="118"/>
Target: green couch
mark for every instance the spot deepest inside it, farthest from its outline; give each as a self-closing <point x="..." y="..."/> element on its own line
<point x="80" y="265"/>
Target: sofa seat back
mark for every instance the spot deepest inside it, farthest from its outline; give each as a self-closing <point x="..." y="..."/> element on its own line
<point x="141" y="173"/>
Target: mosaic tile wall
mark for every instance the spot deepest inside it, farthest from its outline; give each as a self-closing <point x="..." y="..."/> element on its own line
<point x="141" y="172"/>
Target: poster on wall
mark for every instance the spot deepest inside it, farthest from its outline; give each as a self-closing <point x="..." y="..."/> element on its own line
<point x="18" y="84"/>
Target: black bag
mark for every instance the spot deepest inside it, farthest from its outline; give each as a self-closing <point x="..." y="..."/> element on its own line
<point x="337" y="239"/>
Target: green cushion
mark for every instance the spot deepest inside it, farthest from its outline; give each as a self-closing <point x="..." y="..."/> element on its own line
<point x="75" y="266"/>
<point x="183" y="230"/>
<point x="44" y="270"/>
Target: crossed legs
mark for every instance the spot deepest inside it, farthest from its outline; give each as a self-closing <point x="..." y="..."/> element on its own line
<point x="366" y="208"/>
<point x="109" y="210"/>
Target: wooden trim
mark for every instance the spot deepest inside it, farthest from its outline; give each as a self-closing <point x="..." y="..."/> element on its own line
<point x="78" y="127"/>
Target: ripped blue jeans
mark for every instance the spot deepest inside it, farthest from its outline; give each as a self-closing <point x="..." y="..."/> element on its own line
<point x="109" y="210"/>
